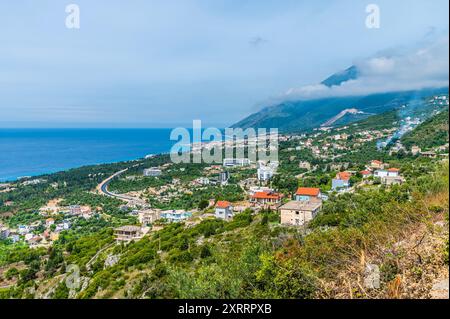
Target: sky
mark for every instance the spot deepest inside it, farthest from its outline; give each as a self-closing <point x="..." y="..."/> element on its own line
<point x="148" y="63"/>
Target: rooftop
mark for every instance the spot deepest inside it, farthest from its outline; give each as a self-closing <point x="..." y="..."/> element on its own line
<point x="128" y="228"/>
<point x="267" y="195"/>
<point x="309" y="191"/>
<point x="223" y="204"/>
<point x="302" y="205"/>
<point x="345" y="176"/>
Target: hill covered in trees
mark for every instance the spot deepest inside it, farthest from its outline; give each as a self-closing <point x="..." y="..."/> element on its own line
<point x="431" y="133"/>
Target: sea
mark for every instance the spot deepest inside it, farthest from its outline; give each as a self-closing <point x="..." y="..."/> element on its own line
<point x="32" y="152"/>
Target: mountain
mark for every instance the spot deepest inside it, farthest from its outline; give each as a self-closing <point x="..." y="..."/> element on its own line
<point x="304" y="115"/>
<point x="351" y="73"/>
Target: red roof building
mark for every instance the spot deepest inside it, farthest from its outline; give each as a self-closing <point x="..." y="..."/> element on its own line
<point x="266" y="198"/>
<point x="308" y="191"/>
<point x="343" y="176"/>
<point x="223" y="204"/>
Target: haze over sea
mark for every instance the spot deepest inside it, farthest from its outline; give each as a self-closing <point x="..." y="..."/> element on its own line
<point x="31" y="152"/>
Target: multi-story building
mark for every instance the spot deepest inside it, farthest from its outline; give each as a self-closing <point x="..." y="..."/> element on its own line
<point x="298" y="213"/>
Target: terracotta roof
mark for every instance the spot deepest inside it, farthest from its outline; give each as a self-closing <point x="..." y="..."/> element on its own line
<point x="266" y="195"/>
<point x="393" y="170"/>
<point x="345" y="176"/>
<point x="308" y="191"/>
<point x="366" y="172"/>
<point x="223" y="204"/>
<point x="377" y="162"/>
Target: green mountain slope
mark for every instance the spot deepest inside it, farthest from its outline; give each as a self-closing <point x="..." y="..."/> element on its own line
<point x="304" y="115"/>
<point x="431" y="133"/>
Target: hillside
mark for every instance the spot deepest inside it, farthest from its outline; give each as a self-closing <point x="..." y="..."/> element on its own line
<point x="304" y="115"/>
<point x="432" y="133"/>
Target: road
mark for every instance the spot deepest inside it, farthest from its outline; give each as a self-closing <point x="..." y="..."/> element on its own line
<point x="103" y="189"/>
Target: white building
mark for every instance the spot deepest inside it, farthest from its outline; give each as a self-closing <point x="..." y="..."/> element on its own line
<point x="265" y="173"/>
<point x="224" y="210"/>
<point x="147" y="217"/>
<point x="232" y="162"/>
<point x="152" y="172"/>
<point x="392" y="172"/>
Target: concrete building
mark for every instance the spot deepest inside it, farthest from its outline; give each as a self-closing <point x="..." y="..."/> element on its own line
<point x="377" y="164"/>
<point x="224" y="210"/>
<point x="392" y="172"/>
<point x="298" y="213"/>
<point x="415" y="150"/>
<point x="265" y="173"/>
<point x="232" y="162"/>
<point x="174" y="216"/>
<point x="305" y="165"/>
<point x="147" y="217"/>
<point x="224" y="177"/>
<point x="152" y="172"/>
<point x="128" y="233"/>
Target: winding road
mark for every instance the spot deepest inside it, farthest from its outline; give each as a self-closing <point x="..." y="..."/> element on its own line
<point x="103" y="189"/>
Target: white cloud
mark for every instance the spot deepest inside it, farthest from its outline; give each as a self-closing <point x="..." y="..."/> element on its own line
<point x="419" y="68"/>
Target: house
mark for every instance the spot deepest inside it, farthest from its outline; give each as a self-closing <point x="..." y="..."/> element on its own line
<point x="392" y="172"/>
<point x="415" y="150"/>
<point x="4" y="232"/>
<point x="147" y="217"/>
<point x="392" y="180"/>
<point x="224" y="210"/>
<point x="428" y="154"/>
<point x="342" y="181"/>
<point x="224" y="177"/>
<point x="232" y="162"/>
<point x="75" y="209"/>
<point x="49" y="222"/>
<point x="152" y="172"/>
<point x="202" y="181"/>
<point x="174" y="216"/>
<point x="264" y="198"/>
<point x="298" y="213"/>
<point x="366" y="174"/>
<point x="128" y="233"/>
<point x="305" y="165"/>
<point x="377" y="164"/>
<point x="307" y="194"/>
<point x="258" y="189"/>
<point x="23" y="229"/>
<point x="381" y="173"/>
<point x="265" y="173"/>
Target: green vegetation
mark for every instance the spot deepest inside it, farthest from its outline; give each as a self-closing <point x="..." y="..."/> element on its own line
<point x="430" y="134"/>
<point x="252" y="255"/>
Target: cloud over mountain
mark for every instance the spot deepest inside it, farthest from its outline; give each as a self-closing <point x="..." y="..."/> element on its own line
<point x="425" y="66"/>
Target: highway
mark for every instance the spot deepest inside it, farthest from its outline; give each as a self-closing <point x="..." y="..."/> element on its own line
<point x="103" y="189"/>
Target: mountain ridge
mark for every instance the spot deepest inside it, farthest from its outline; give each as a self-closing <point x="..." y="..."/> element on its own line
<point x="305" y="115"/>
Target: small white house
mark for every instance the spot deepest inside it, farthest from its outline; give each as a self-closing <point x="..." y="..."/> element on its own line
<point x="152" y="172"/>
<point x="392" y="172"/>
<point x="265" y="173"/>
<point x="224" y="210"/>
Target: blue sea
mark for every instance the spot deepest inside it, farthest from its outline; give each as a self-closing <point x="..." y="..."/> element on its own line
<point x="31" y="152"/>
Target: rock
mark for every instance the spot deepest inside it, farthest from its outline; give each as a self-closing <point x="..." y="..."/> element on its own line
<point x="440" y="289"/>
<point x="372" y="276"/>
<point x="111" y="260"/>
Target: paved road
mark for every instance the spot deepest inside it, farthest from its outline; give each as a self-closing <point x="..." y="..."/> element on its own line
<point x="103" y="188"/>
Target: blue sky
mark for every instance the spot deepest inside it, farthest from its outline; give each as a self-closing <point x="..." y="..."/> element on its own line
<point x="164" y="63"/>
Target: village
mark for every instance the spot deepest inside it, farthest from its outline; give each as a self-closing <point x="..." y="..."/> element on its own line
<point x="249" y="185"/>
